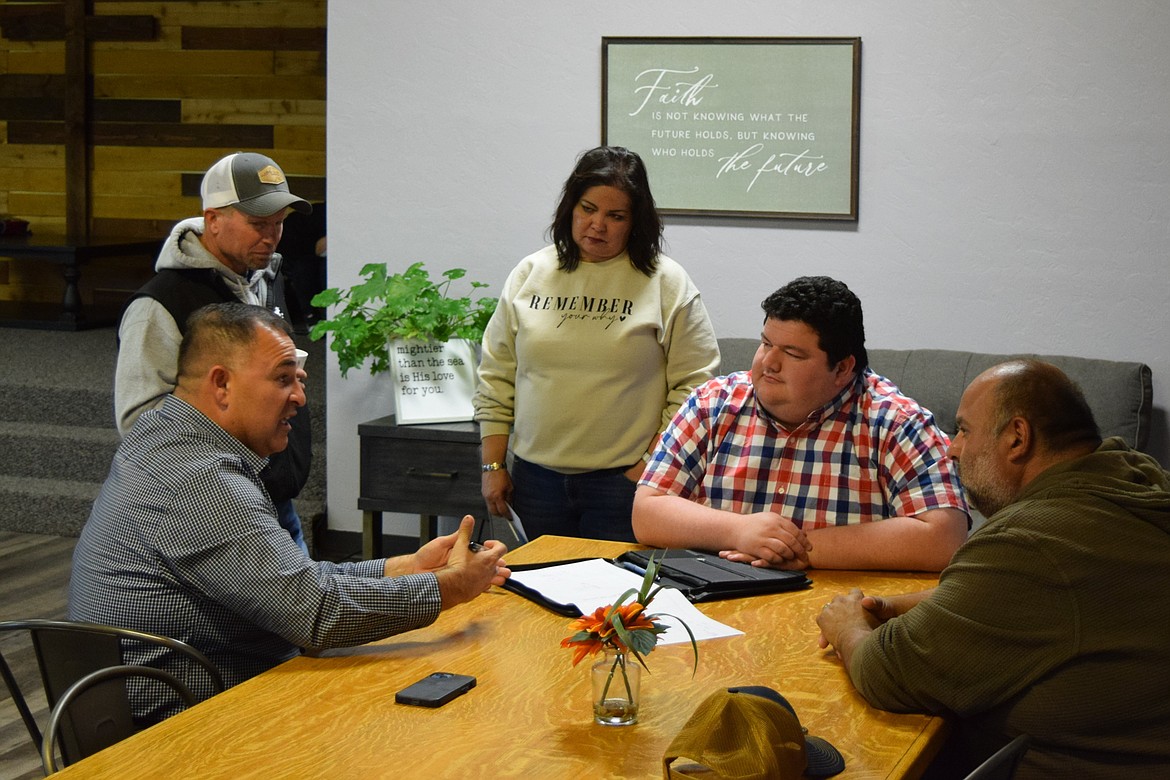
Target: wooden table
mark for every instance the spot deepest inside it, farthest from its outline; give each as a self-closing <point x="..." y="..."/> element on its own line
<point x="530" y="716"/>
<point x="70" y="255"/>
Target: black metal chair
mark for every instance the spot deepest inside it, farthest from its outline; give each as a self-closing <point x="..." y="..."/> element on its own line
<point x="1001" y="765"/>
<point x="102" y="715"/>
<point x="96" y="715"/>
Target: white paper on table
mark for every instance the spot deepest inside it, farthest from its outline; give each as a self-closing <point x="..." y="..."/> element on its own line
<point x="597" y="583"/>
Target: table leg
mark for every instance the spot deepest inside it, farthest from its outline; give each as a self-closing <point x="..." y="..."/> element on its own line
<point x="371" y="535"/>
<point x="71" y="301"/>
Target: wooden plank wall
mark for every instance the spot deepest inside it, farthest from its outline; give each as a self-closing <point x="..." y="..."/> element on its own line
<point x="175" y="86"/>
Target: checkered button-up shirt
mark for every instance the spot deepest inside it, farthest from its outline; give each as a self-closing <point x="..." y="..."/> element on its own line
<point x="869" y="454"/>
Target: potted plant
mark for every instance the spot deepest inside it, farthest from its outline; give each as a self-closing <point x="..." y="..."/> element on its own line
<point x="407" y="306"/>
<point x="409" y="325"/>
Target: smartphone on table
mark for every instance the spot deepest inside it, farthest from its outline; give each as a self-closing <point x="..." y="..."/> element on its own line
<point x="435" y="690"/>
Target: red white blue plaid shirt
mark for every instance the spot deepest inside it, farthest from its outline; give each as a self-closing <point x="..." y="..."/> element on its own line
<point x="869" y="454"/>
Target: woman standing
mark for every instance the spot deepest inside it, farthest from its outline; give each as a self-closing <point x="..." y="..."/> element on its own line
<point x="596" y="341"/>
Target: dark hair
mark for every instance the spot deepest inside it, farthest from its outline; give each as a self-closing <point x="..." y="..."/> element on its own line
<point x="611" y="166"/>
<point x="828" y="307"/>
<point x="1051" y="402"/>
<point x="214" y="333"/>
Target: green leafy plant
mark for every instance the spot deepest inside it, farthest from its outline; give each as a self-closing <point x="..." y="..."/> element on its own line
<point x="408" y="305"/>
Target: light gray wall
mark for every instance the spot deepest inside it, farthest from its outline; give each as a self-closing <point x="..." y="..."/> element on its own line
<point x="1014" y="169"/>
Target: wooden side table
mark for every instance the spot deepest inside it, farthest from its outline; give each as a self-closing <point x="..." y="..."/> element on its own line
<point x="429" y="470"/>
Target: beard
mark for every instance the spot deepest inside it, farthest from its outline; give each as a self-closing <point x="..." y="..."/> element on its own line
<point x="987" y="491"/>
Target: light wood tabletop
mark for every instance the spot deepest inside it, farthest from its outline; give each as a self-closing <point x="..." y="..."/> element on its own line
<point x="530" y="714"/>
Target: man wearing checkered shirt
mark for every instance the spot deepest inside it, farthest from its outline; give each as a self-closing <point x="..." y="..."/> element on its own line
<point x="183" y="539"/>
<point x="811" y="460"/>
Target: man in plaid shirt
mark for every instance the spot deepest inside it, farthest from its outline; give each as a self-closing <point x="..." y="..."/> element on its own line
<point x="811" y="460"/>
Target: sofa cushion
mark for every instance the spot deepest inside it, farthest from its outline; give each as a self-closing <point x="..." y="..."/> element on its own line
<point x="1119" y="393"/>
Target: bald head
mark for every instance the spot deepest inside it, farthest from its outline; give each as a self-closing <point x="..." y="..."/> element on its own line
<point x="1015" y="421"/>
<point x="1042" y="394"/>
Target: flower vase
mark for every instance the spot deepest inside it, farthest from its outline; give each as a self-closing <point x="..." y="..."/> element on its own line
<point x="616" y="681"/>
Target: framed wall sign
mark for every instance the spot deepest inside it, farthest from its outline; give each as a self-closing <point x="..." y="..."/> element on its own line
<point x="756" y="127"/>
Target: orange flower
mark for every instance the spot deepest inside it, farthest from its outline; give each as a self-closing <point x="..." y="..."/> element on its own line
<point x="581" y="648"/>
<point x="634" y="617"/>
<point x="639" y="631"/>
<point x="593" y="633"/>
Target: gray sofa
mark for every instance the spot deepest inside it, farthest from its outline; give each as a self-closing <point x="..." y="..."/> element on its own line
<point x="1120" y="393"/>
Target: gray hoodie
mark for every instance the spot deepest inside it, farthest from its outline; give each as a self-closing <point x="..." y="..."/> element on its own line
<point x="148" y="336"/>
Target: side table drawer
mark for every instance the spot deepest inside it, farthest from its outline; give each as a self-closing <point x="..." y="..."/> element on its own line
<point x="420" y="476"/>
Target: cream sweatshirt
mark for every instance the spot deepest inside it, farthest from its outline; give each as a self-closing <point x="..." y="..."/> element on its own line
<point x="584" y="368"/>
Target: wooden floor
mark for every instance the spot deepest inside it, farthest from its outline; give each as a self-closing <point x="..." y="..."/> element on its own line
<point x="34" y="577"/>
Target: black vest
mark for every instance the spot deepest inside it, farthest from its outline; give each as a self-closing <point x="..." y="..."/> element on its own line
<point x="181" y="292"/>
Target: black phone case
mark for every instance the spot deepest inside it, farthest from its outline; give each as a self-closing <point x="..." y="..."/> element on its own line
<point x="435" y="690"/>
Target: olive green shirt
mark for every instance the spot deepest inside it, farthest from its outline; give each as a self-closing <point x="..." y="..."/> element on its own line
<point x="1052" y="620"/>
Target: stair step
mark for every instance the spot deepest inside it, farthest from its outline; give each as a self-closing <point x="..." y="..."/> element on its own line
<point x="56" y="451"/>
<point x="60" y="405"/>
<point x="45" y="506"/>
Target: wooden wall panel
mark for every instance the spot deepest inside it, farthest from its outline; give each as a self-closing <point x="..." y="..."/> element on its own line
<point x="36" y="203"/>
<point x="35" y="61"/>
<point x="300" y="63"/>
<point x="121" y="158"/>
<point x="153" y="61"/>
<point x="193" y="85"/>
<point x="34" y="180"/>
<point x="31" y="108"/>
<point x="46" y="22"/>
<point x="289" y="112"/>
<point x="147" y="134"/>
<point x="30" y="156"/>
<point x="175" y="86"/>
<point x="113" y="110"/>
<point x="229" y="13"/>
<point x="31" y="85"/>
<point x="262" y="38"/>
<point x="302" y="138"/>
<point x="128" y="205"/>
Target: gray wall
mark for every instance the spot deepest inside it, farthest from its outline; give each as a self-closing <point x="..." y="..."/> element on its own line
<point x="1014" y="180"/>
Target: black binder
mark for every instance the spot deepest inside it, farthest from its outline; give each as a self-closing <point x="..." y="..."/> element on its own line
<point x="700" y="576"/>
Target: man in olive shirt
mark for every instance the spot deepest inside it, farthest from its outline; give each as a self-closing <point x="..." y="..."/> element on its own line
<point x="1051" y="619"/>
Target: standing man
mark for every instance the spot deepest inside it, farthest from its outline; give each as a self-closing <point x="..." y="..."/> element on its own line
<point x="1051" y="620"/>
<point x="228" y="254"/>
<point x="811" y="460"/>
<point x="183" y="539"/>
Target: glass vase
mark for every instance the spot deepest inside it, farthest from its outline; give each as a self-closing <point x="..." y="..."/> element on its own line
<point x="616" y="681"/>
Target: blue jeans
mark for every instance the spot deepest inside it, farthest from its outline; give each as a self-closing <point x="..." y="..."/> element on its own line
<point x="594" y="505"/>
<point x="286" y="515"/>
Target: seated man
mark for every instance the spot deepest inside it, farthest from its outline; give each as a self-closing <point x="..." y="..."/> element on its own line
<point x="812" y="460"/>
<point x="184" y="540"/>
<point x="1051" y="619"/>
